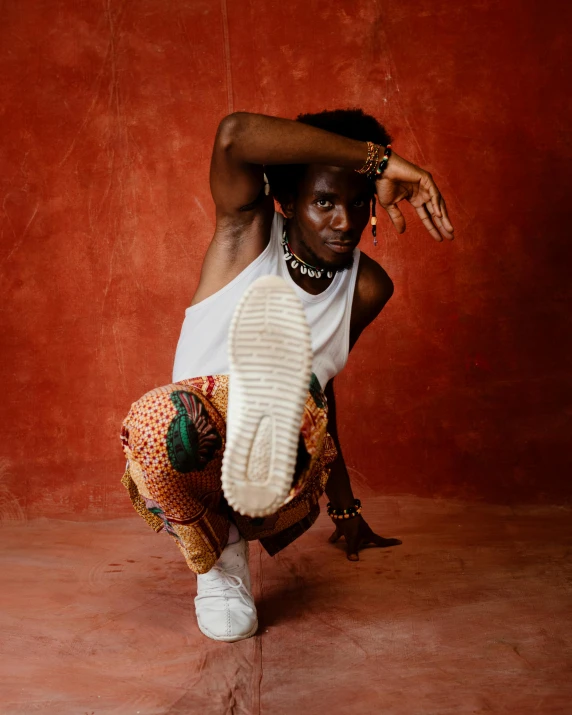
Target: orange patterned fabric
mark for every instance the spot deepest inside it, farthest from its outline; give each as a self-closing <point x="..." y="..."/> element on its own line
<point x="173" y="438"/>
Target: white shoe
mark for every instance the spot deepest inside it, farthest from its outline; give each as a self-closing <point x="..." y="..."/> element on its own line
<point x="224" y="605"/>
<point x="270" y="359"/>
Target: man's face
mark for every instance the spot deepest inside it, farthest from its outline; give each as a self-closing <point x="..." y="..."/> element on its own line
<point x="330" y="212"/>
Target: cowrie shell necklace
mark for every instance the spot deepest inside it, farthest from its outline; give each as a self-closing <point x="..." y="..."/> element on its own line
<point x="296" y="262"/>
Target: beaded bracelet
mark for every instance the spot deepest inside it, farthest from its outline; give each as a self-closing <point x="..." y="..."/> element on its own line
<point x="381" y="167"/>
<point x="349" y="513"/>
<point x="374" y="166"/>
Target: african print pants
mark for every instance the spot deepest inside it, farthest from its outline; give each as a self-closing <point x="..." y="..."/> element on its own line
<point x="173" y="438"/>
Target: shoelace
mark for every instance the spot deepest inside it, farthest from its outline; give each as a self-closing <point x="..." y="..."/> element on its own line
<point x="239" y="586"/>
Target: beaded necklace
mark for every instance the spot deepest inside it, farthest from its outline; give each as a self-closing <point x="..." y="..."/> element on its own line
<point x="305" y="268"/>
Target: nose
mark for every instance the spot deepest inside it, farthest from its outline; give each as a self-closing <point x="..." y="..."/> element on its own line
<point x="342" y="222"/>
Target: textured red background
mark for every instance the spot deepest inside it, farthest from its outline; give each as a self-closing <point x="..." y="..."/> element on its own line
<point x="461" y="388"/>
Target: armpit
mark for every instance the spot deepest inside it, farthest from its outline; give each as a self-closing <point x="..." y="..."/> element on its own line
<point x="257" y="201"/>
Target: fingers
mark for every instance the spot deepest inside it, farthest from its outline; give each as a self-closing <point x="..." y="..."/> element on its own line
<point x="437" y="208"/>
<point x="439" y="223"/>
<point x="425" y="217"/>
<point x="434" y="196"/>
<point x="380" y="540"/>
<point x="384" y="543"/>
<point x="358" y="536"/>
<point x="396" y="217"/>
<point x="335" y="536"/>
<point x="352" y="549"/>
<point x="448" y="225"/>
<point x="443" y="226"/>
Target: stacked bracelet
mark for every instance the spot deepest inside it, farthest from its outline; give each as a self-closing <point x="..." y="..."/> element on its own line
<point x="383" y="163"/>
<point x="372" y="160"/>
<point x="374" y="166"/>
<point x="349" y="513"/>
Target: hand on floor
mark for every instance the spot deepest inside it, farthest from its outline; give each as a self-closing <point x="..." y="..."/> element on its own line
<point x="357" y="535"/>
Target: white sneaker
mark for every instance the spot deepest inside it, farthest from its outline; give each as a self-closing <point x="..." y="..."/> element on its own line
<point x="270" y="360"/>
<point x="224" y="605"/>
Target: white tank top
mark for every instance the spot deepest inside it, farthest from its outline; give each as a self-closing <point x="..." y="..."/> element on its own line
<point x="202" y="347"/>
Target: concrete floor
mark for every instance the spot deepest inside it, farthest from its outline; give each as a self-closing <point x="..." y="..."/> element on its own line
<point x="472" y="614"/>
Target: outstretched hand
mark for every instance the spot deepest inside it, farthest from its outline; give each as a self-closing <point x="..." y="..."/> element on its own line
<point x="357" y="535"/>
<point x="403" y="180"/>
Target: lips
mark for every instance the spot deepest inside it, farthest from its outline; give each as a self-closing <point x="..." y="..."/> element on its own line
<point x="342" y="247"/>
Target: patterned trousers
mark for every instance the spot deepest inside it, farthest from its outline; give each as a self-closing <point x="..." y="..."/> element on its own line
<point x="173" y="438"/>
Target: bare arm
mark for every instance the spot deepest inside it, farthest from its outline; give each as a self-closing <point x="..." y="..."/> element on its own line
<point x="356" y="531"/>
<point x="245" y="142"/>
<point x="338" y="488"/>
<point x="373" y="289"/>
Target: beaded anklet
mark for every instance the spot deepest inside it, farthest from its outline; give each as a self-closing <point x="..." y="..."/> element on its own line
<point x="349" y="513"/>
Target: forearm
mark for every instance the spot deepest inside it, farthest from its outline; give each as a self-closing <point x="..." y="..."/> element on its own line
<point x="259" y="139"/>
<point x="338" y="487"/>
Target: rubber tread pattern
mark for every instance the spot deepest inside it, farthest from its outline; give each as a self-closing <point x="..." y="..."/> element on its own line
<point x="270" y="358"/>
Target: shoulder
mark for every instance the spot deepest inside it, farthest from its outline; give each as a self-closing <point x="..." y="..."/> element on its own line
<point x="373" y="286"/>
<point x="373" y="289"/>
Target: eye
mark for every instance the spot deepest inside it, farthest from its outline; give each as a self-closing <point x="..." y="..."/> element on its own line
<point x="323" y="203"/>
<point x="360" y="203"/>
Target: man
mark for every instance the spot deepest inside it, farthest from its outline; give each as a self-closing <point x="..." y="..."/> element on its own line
<point x="221" y="460"/>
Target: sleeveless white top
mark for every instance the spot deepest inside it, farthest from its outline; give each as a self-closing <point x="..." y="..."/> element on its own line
<point x="202" y="347"/>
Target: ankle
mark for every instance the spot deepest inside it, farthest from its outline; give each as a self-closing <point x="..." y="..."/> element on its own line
<point x="233" y="534"/>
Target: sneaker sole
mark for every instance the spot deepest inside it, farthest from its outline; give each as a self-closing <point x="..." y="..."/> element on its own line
<point x="228" y="639"/>
<point x="270" y="359"/>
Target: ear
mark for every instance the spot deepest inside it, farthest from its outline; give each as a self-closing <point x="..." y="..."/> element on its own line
<point x="288" y="206"/>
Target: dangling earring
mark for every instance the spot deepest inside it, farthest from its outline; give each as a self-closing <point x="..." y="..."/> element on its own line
<point x="266" y="185"/>
<point x="373" y="222"/>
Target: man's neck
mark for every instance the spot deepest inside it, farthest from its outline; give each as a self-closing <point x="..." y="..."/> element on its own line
<point x="311" y="285"/>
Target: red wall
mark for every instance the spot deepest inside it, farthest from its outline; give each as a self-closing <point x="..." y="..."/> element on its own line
<point x="461" y="388"/>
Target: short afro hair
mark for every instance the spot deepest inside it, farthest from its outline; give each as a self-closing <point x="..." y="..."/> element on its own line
<point x="284" y="179"/>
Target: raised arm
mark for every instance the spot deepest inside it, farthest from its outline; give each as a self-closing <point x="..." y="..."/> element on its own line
<point x="245" y="142"/>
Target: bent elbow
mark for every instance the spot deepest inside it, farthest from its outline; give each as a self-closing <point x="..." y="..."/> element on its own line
<point x="229" y="129"/>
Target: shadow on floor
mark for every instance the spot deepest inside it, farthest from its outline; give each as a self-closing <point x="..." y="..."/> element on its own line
<point x="470" y="615"/>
